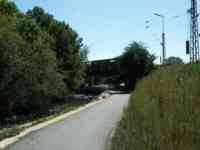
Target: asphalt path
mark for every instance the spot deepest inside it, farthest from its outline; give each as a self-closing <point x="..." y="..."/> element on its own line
<point x="90" y="129"/>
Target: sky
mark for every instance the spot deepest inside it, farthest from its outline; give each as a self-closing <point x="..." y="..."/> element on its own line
<point x="108" y="26"/>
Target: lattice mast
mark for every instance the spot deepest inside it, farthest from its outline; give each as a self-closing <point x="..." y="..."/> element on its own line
<point x="194" y="32"/>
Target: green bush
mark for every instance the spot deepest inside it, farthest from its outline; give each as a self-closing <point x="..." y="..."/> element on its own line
<point x="163" y="113"/>
<point x="39" y="57"/>
<point x="28" y="73"/>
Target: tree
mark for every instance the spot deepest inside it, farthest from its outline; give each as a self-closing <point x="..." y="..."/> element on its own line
<point x="84" y="53"/>
<point x="44" y="19"/>
<point x="41" y="59"/>
<point x="28" y="29"/>
<point x="135" y="63"/>
<point x="29" y="76"/>
<point x="8" y="8"/>
<point x="67" y="47"/>
<point x="173" y="61"/>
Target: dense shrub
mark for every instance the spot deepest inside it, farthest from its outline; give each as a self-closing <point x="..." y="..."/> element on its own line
<point x="39" y="57"/>
<point x="29" y="77"/>
<point x="163" y="113"/>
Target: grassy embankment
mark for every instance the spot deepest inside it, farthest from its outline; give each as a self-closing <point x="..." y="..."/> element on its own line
<point x="163" y="112"/>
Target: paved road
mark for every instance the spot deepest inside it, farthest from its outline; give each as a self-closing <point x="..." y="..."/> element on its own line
<point x="88" y="130"/>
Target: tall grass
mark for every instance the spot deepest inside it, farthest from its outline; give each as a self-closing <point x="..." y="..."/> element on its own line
<point x="163" y="112"/>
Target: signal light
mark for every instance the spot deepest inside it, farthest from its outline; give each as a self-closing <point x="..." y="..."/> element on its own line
<point x="187" y="47"/>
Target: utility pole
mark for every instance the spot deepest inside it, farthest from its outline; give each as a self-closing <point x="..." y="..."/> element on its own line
<point x="194" y="32"/>
<point x="163" y="37"/>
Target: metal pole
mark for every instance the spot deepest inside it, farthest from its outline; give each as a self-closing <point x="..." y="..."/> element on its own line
<point x="163" y="44"/>
<point x="163" y="40"/>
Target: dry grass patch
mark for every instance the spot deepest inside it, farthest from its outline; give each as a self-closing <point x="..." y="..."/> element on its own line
<point x="163" y="113"/>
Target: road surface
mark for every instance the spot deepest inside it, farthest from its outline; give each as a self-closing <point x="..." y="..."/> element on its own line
<point x="90" y="129"/>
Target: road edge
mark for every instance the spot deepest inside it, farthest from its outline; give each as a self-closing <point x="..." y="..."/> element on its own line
<point x="9" y="141"/>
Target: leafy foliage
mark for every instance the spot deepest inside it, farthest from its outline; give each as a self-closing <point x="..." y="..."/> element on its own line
<point x="40" y="16"/>
<point x="39" y="57"/>
<point x="29" y="76"/>
<point x="174" y="61"/>
<point x="67" y="46"/>
<point x="8" y="8"/>
<point x="135" y="63"/>
<point x="84" y="53"/>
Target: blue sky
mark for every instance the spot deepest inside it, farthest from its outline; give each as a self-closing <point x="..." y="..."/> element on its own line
<point x="108" y="26"/>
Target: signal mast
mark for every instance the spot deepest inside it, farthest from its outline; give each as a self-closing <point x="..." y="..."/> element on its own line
<point x="192" y="46"/>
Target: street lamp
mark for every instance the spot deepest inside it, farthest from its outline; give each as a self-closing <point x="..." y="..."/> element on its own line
<point x="163" y="36"/>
